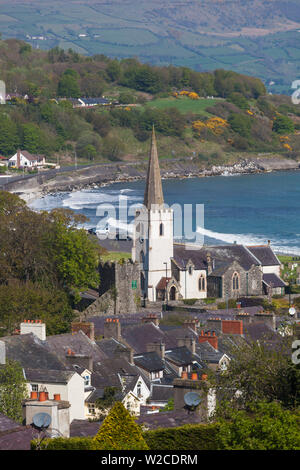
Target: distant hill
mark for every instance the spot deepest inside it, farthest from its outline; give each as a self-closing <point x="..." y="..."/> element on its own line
<point x="256" y="37"/>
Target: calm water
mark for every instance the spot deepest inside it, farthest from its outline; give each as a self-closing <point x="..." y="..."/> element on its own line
<point x="248" y="209"/>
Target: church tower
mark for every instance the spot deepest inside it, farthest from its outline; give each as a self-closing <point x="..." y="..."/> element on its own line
<point x="153" y="230"/>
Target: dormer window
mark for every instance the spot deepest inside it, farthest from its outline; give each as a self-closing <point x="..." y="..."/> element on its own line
<point x="190" y="270"/>
<point x="87" y="380"/>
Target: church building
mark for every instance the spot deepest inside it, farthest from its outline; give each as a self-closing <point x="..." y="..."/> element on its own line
<point x="173" y="271"/>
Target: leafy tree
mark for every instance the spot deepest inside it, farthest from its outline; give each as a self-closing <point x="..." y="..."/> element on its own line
<point x="108" y="399"/>
<point x="68" y="86"/>
<point x="258" y="372"/>
<point x="33" y="138"/>
<point x="113" y="148"/>
<point x="12" y="390"/>
<point x="283" y="125"/>
<point x="113" y="70"/>
<point x="9" y="139"/>
<point x="119" y="431"/>
<point x="241" y="124"/>
<point x="266" y="426"/>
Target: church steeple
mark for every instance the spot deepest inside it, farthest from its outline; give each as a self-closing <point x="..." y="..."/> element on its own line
<point x="153" y="190"/>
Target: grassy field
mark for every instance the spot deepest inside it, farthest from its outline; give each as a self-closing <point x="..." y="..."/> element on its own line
<point x="183" y="104"/>
<point x="115" y="256"/>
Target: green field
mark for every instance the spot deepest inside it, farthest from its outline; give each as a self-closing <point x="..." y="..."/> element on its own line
<point x="183" y="104"/>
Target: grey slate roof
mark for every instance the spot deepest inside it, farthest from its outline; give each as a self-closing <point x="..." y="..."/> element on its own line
<point x="221" y="256"/>
<point x="138" y="336"/>
<point x="31" y="352"/>
<point x="161" y="393"/>
<point x="207" y="353"/>
<point x="84" y="428"/>
<point x="49" y="376"/>
<point x="78" y="343"/>
<point x="110" y="347"/>
<point x="265" y="255"/>
<point x="181" y="356"/>
<point x="168" y="419"/>
<point x="274" y="280"/>
<point x="149" y="361"/>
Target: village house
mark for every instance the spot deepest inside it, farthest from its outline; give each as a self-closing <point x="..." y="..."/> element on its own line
<point x="24" y="159"/>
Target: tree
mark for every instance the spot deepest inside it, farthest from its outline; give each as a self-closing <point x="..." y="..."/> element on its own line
<point x="12" y="390"/>
<point x="119" y="431"/>
<point x="283" y="125"/>
<point x="68" y="86"/>
<point x="108" y="399"/>
<point x="258" y="371"/>
<point x="266" y="426"/>
<point x="9" y="139"/>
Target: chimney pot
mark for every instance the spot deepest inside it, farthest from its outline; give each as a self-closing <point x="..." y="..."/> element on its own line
<point x="194" y="376"/>
<point x="204" y="376"/>
<point x="42" y="396"/>
<point x="34" y="395"/>
<point x="56" y="397"/>
<point x="184" y="375"/>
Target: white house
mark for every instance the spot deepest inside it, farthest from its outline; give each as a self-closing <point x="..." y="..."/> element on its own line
<point x="24" y="159"/>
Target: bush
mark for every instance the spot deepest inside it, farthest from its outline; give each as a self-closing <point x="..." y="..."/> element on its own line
<point x="189" y="301"/>
<point x="209" y="300"/>
<point x="119" y="431"/>
<point x="231" y="304"/>
<point x="61" y="443"/>
<point x="188" y="437"/>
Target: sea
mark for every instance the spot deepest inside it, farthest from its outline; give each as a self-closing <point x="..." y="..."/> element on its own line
<point x="243" y="209"/>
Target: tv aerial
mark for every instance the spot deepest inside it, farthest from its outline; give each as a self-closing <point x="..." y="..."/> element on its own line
<point x="192" y="400"/>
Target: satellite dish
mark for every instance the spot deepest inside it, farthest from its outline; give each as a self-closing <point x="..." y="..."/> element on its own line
<point x="42" y="420"/>
<point x="192" y="399"/>
<point x="292" y="311"/>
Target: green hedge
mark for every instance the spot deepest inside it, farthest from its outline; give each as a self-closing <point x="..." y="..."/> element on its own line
<point x="188" y="437"/>
<point x="61" y="443"/>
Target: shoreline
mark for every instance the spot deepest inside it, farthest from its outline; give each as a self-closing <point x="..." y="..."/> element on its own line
<point x="109" y="174"/>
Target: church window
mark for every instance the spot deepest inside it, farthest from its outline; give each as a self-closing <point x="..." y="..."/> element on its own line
<point x="202" y="283"/>
<point x="235" y="281"/>
<point x="161" y="230"/>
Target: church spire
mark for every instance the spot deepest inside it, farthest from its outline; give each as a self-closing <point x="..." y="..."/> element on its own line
<point x="153" y="190"/>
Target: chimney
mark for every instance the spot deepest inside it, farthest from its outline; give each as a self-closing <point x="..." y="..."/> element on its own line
<point x="191" y="324"/>
<point x="159" y="348"/>
<point x="151" y="318"/>
<point x="266" y="317"/>
<point x="88" y="328"/>
<point x="112" y="329"/>
<point x="125" y="352"/>
<point x="212" y="339"/>
<point x="59" y="412"/>
<point x="232" y="327"/>
<point x="81" y="360"/>
<point x="18" y="158"/>
<point x="244" y="317"/>
<point x="2" y="353"/>
<point x="190" y="343"/>
<point x="214" y="324"/>
<point x="34" y="326"/>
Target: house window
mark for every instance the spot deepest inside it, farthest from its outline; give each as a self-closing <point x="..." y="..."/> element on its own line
<point x="87" y="380"/>
<point x="235" y="281"/>
<point x="139" y="389"/>
<point x="91" y="409"/>
<point x="190" y="270"/>
<point x="202" y="283"/>
<point x="161" y="229"/>
<point x="34" y="387"/>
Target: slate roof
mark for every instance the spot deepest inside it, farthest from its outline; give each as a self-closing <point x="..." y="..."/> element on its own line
<point x="161" y="393"/>
<point x="139" y="335"/>
<point x="221" y="256"/>
<point x="79" y="343"/>
<point x="207" y="353"/>
<point x="181" y="356"/>
<point x="110" y="346"/>
<point x="88" y="101"/>
<point x="271" y="278"/>
<point x="168" y="419"/>
<point x="84" y="428"/>
<point x="265" y="255"/>
<point x="31" y="352"/>
<point x="149" y="361"/>
<point x="49" y="376"/>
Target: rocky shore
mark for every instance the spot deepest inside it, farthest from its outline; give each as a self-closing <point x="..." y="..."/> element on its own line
<point x="105" y="174"/>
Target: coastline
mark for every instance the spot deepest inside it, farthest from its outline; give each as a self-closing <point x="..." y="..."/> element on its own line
<point x="106" y="174"/>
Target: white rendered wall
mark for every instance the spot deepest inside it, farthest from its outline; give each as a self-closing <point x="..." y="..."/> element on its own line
<point x="271" y="270"/>
<point x="190" y="284"/>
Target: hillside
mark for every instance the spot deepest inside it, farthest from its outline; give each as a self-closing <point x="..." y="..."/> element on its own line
<point x="219" y="117"/>
<point x="255" y="37"/>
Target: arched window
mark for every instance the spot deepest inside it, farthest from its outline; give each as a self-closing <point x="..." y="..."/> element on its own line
<point x="202" y="282"/>
<point x="161" y="230"/>
<point x="235" y="281"/>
